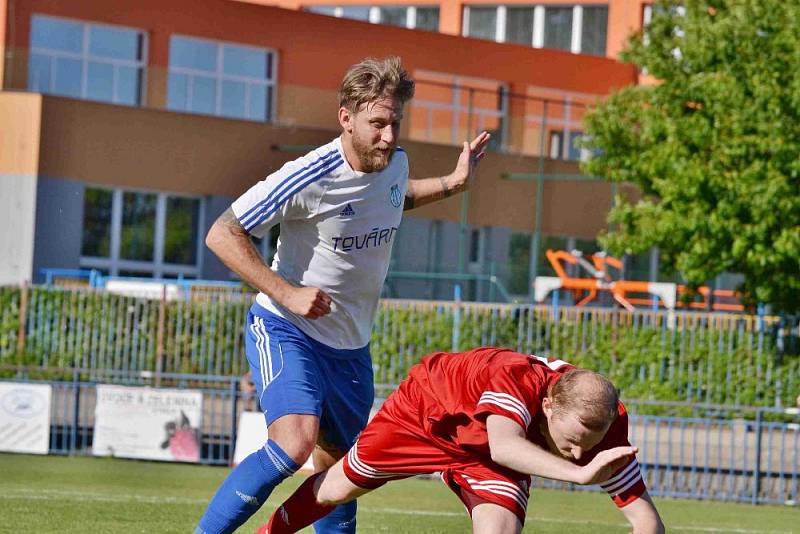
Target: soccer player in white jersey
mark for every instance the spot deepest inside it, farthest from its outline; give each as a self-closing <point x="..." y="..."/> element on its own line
<point x="307" y="334"/>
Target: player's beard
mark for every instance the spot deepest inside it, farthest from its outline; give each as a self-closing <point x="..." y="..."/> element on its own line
<point x="370" y="158"/>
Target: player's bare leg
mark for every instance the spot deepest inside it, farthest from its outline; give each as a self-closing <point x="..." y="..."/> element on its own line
<point x="333" y="487"/>
<point x="488" y="518"/>
<point x="342" y="520"/>
<point x="314" y="499"/>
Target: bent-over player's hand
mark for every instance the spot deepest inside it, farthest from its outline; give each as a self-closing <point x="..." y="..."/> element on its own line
<point x="470" y="155"/>
<point x="605" y="464"/>
<point x="310" y="302"/>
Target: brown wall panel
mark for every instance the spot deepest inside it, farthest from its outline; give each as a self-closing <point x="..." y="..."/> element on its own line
<point x="160" y="150"/>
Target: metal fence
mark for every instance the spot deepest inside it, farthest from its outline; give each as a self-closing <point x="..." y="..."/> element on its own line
<point x="708" y="454"/>
<point x="686" y="356"/>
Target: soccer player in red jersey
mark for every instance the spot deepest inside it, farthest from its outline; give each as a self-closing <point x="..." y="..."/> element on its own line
<point x="488" y="420"/>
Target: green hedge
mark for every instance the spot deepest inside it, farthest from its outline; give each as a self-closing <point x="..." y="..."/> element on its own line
<point x="720" y="359"/>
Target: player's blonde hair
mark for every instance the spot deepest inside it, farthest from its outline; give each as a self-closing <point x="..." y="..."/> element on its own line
<point x="373" y="79"/>
<point x="590" y="396"/>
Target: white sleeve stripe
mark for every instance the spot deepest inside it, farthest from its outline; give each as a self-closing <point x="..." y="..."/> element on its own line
<point x="555" y="364"/>
<point x="623" y="474"/>
<point x="283" y="185"/>
<point x="510" y="403"/>
<point x="509" y="408"/>
<point x="269" y="209"/>
<point x="630" y="483"/>
<point x="620" y="483"/>
<point x="506" y="397"/>
<point x="631" y="474"/>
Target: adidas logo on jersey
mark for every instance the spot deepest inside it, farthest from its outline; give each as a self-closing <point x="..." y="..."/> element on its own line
<point x="348" y="211"/>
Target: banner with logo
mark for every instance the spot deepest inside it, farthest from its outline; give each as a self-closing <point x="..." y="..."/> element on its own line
<point x="25" y="417"/>
<point x="251" y="435"/>
<point x="148" y="423"/>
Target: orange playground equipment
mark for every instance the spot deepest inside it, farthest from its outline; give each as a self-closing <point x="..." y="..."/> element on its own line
<point x="604" y="272"/>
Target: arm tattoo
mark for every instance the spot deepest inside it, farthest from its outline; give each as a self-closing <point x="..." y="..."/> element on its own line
<point x="445" y="189"/>
<point x="231" y="223"/>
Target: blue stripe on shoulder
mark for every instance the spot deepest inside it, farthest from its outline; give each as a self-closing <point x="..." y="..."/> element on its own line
<point x="287" y="182"/>
<point x="301" y="183"/>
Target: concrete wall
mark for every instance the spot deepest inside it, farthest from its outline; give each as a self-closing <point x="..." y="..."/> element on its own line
<point x="20" y="117"/>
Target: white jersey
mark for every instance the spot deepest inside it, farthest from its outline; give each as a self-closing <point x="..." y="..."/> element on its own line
<point x="337" y="229"/>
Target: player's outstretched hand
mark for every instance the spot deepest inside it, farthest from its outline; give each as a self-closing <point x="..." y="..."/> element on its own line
<point x="470" y="155"/>
<point x="310" y="302"/>
<point x="605" y="464"/>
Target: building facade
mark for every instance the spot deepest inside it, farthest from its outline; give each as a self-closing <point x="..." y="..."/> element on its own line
<point x="577" y="26"/>
<point x="128" y="129"/>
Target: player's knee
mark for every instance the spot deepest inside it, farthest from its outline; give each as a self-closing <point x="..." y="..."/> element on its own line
<point x="298" y="449"/>
<point x="296" y="435"/>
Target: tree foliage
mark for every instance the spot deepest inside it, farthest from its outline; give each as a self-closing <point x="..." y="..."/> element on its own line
<point x="713" y="145"/>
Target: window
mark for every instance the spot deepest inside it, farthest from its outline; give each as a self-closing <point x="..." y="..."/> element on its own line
<point x="138" y="226"/>
<point x="575" y="28"/>
<point x="558" y="27"/>
<point x="222" y="79"/>
<point x="519" y="25"/>
<point x="482" y="22"/>
<point x="594" y="26"/>
<point x="426" y="18"/>
<point x="87" y="61"/>
<point x="412" y="17"/>
<point x="448" y="108"/>
<point x="355" y="12"/>
<point x="96" y="239"/>
<point x="394" y="16"/>
<point x="149" y="234"/>
<point x="573" y="152"/>
<point x="519" y="259"/>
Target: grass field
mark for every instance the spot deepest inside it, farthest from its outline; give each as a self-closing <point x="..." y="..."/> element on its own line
<point x="99" y="495"/>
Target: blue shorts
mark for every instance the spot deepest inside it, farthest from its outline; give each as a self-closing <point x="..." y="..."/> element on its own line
<point x="295" y="374"/>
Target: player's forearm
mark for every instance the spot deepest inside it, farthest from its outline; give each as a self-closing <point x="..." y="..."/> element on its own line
<point x="643" y="516"/>
<point x="525" y="457"/>
<point x="426" y="190"/>
<point x="231" y="243"/>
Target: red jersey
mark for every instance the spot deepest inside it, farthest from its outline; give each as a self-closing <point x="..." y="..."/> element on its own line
<point x="458" y="391"/>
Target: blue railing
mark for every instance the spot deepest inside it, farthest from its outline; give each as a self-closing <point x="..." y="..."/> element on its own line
<point x="726" y="453"/>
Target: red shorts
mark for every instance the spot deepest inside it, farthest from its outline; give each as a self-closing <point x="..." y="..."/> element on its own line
<point x="395" y="446"/>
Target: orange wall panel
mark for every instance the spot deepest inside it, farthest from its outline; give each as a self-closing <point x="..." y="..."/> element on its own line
<point x="315" y="50"/>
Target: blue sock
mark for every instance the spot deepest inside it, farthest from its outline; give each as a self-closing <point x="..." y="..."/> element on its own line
<point x="341" y="521"/>
<point x="246" y="489"/>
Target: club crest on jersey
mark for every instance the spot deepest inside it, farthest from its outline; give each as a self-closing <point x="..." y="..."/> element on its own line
<point x="395" y="196"/>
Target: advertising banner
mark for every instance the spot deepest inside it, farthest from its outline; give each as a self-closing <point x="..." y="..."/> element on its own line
<point x="25" y="417"/>
<point x="148" y="423"/>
